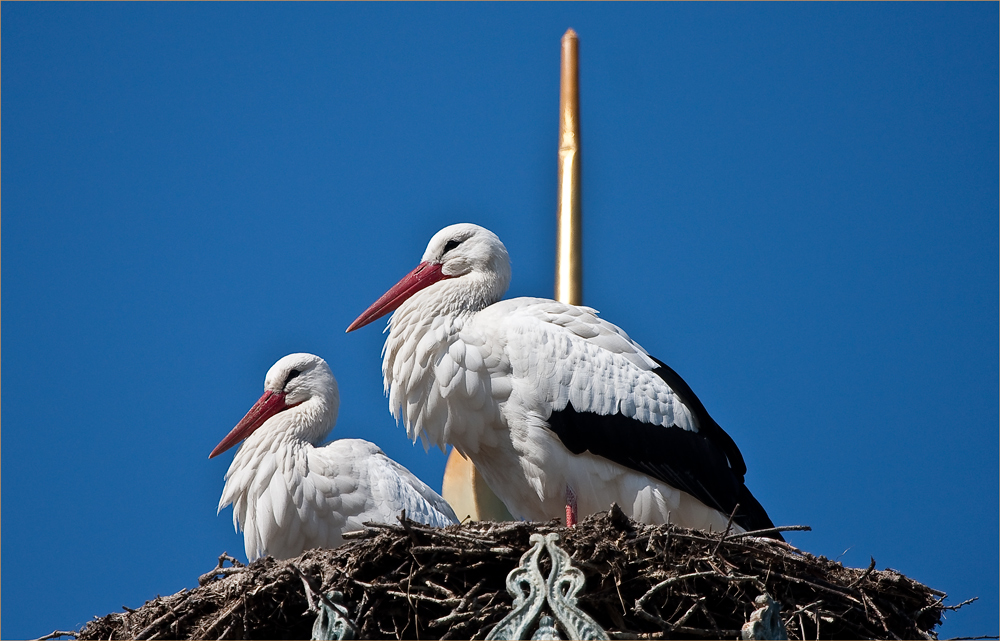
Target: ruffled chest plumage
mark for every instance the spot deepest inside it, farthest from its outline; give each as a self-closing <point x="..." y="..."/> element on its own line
<point x="444" y="378"/>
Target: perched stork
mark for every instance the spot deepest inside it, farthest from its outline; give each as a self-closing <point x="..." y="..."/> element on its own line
<point x="549" y="401"/>
<point x="289" y="495"/>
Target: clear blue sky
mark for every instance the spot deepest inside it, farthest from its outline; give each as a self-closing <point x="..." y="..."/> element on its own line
<point x="794" y="205"/>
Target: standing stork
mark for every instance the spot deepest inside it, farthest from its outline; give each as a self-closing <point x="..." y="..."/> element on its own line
<point x="558" y="409"/>
<point x="289" y="495"/>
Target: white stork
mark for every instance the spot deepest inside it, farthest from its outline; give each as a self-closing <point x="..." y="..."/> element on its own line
<point x="549" y="401"/>
<point x="289" y="495"/>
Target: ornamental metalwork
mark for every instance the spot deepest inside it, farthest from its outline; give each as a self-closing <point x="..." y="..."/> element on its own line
<point x="333" y="622"/>
<point x="765" y="622"/>
<point x="532" y="591"/>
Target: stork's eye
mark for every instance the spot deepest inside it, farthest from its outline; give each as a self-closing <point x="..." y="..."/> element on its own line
<point x="451" y="244"/>
<point x="292" y="374"/>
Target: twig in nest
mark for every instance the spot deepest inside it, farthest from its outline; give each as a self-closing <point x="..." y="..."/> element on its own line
<point x="355" y="534"/>
<point x="55" y="635"/>
<point x="697" y="605"/>
<point x="870" y="603"/>
<point x="310" y="601"/>
<point x="640" y="604"/>
<point x="711" y="619"/>
<point x="729" y="526"/>
<point x="806" y="609"/>
<point x="150" y="631"/>
<point x="439" y="588"/>
<point x="176" y="625"/>
<point x="864" y="576"/>
<point x="451" y="618"/>
<point x="832" y="589"/>
<point x="423" y="597"/>
<point x="382" y="526"/>
<point x="235" y="567"/>
<point x="458" y="612"/>
<point x="407" y="525"/>
<point x="307" y="581"/>
<point x="772" y="530"/>
<point x="951" y="607"/>
<point x="199" y="634"/>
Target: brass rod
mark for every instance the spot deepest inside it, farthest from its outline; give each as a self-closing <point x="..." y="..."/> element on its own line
<point x="569" y="246"/>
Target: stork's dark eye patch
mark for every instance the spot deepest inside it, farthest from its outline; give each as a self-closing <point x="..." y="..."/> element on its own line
<point x="292" y="374"/>
<point x="451" y="244"/>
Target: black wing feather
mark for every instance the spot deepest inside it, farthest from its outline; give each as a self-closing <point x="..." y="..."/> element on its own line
<point x="706" y="464"/>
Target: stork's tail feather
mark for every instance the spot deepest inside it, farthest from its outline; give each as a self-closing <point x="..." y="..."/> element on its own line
<point x="752" y="516"/>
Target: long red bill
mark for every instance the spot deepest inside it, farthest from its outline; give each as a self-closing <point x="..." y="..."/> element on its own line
<point x="266" y="406"/>
<point x="422" y="276"/>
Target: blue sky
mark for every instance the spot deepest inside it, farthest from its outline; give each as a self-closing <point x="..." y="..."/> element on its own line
<point x="794" y="205"/>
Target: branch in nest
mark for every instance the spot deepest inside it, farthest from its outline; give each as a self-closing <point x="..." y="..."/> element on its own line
<point x="951" y="607"/>
<point x="307" y="582"/>
<point x="729" y="525"/>
<point x="640" y="604"/>
<point x="55" y="635"/>
<point x="150" y="631"/>
<point x="204" y="634"/>
<point x="864" y="576"/>
<point x="235" y="567"/>
<point x="771" y="530"/>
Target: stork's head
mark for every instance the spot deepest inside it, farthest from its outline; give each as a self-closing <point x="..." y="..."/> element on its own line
<point x="300" y="385"/>
<point x="472" y="261"/>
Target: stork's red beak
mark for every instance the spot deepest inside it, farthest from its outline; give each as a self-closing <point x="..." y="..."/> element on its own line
<point x="266" y="406"/>
<point x="424" y="275"/>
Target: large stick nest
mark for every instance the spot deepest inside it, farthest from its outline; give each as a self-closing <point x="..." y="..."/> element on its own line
<point x="414" y="581"/>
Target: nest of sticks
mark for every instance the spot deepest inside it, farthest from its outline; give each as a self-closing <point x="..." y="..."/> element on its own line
<point x="647" y="582"/>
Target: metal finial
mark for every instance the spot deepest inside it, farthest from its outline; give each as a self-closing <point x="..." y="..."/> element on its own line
<point x="569" y="246"/>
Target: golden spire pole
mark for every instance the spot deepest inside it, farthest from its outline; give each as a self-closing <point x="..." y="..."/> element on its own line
<point x="569" y="244"/>
<point x="463" y="486"/>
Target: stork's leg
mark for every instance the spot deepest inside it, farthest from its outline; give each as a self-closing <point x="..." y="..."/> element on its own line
<point x="570" y="507"/>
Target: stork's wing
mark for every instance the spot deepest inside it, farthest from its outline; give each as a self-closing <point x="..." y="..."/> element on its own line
<point x="377" y="488"/>
<point x="399" y="489"/>
<point x="609" y="397"/>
